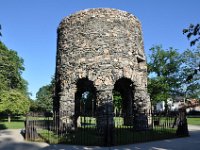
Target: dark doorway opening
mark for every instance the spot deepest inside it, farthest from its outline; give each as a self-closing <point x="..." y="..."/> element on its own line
<point x="123" y="100"/>
<point x="85" y="99"/>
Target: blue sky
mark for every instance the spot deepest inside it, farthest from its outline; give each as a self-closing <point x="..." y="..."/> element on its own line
<point x="29" y="27"/>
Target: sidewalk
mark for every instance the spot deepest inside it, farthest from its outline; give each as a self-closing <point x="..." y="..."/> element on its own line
<point x="12" y="140"/>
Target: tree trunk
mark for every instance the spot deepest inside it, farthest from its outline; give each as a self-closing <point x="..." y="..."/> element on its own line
<point x="9" y="118"/>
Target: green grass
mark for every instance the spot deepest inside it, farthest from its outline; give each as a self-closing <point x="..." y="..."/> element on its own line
<point x="16" y="123"/>
<point x="122" y="135"/>
<point x="11" y="125"/>
<point x="127" y="137"/>
<point x="86" y="137"/>
<point x="193" y="121"/>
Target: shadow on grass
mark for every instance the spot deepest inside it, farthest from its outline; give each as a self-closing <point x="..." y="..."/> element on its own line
<point x="120" y="136"/>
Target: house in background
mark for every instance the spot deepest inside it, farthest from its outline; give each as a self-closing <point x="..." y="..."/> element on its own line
<point x="192" y="105"/>
<point x="173" y="105"/>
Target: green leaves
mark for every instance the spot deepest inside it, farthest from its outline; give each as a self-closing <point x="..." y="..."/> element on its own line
<point x="191" y="72"/>
<point x="193" y="31"/>
<point x="13" y="88"/>
<point x="158" y="89"/>
<point x="163" y="62"/>
<point x="117" y="101"/>
<point x="13" y="102"/>
<point x="11" y="67"/>
<point x="168" y="71"/>
<point x="44" y="98"/>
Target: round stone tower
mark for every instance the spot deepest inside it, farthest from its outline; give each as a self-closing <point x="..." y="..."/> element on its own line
<point x="101" y="50"/>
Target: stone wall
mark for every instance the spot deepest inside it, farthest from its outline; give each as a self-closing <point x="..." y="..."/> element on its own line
<point x="102" y="45"/>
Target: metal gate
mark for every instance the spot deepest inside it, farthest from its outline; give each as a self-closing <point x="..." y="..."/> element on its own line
<point x="140" y="128"/>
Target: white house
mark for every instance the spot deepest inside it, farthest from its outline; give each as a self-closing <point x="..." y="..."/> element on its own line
<point x="172" y="106"/>
<point x="160" y="106"/>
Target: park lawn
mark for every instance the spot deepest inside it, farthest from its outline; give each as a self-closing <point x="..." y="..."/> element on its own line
<point x="16" y="123"/>
<point x="121" y="135"/>
<point x="19" y="123"/>
<point x="193" y="121"/>
<point x="12" y="125"/>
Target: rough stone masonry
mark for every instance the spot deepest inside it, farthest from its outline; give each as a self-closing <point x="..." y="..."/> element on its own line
<point x="104" y="47"/>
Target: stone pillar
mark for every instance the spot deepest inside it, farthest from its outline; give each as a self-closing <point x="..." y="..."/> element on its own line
<point x="67" y="111"/>
<point x="142" y="107"/>
<point x="105" y="122"/>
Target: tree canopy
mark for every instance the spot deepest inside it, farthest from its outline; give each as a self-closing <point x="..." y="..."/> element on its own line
<point x="44" y="98"/>
<point x="13" y="88"/>
<point x="163" y="67"/>
<point x="193" y="33"/>
<point x="11" y="68"/>
<point x="191" y="72"/>
<point x="168" y="73"/>
<point x="192" y="60"/>
<point x="13" y="102"/>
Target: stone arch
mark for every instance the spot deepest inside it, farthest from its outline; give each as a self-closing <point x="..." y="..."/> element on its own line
<point x="85" y="85"/>
<point x="126" y="88"/>
<point x="86" y="107"/>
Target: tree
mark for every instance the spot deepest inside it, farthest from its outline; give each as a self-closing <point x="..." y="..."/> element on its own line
<point x="193" y="63"/>
<point x="169" y="71"/>
<point x="44" y="97"/>
<point x="11" y="68"/>
<point x="13" y="88"/>
<point x="193" y="31"/>
<point x="158" y="89"/>
<point x="33" y="106"/>
<point x="13" y="102"/>
<point x="163" y="68"/>
<point x="190" y="73"/>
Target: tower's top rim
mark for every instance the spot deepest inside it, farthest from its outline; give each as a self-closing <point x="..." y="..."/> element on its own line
<point x="98" y="13"/>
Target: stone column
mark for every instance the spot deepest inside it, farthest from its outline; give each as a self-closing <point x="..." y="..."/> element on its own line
<point x="105" y="122"/>
<point x="141" y="112"/>
<point x="67" y="110"/>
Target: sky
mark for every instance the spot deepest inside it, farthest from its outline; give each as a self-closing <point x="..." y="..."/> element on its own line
<point x="30" y="28"/>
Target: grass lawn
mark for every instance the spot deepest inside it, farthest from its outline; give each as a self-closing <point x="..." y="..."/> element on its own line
<point x="88" y="135"/>
<point x="193" y="121"/>
<point x="121" y="136"/>
<point x="11" y="125"/>
<point x="16" y="123"/>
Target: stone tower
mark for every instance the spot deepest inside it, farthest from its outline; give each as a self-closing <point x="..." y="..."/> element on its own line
<point x="101" y="50"/>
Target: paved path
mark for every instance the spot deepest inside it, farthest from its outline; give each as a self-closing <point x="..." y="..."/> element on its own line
<point x="12" y="140"/>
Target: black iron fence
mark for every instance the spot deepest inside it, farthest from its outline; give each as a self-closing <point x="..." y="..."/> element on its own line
<point x="125" y="130"/>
